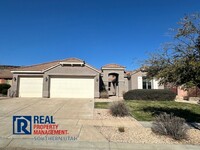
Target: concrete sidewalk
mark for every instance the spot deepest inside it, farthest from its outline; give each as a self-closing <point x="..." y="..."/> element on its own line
<point x="83" y="145"/>
<point x="88" y="137"/>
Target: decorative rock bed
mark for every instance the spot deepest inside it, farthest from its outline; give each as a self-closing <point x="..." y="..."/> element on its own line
<point x="138" y="134"/>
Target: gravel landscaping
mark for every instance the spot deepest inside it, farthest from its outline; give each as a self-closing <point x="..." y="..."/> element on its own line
<point x="104" y="114"/>
<point x="138" y="134"/>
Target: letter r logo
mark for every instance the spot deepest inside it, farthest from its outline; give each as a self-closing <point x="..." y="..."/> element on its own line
<point x="22" y="125"/>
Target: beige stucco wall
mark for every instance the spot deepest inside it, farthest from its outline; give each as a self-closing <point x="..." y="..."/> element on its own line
<point x="71" y="71"/>
<point x="134" y="80"/>
<point x="67" y="71"/>
<point x="127" y="84"/>
<point x="124" y="84"/>
<point x="15" y="84"/>
<point x="121" y="80"/>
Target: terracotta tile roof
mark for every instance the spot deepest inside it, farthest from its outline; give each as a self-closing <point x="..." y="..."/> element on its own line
<point x="39" y="67"/>
<point x="128" y="72"/>
<point x="113" y="66"/>
<point x="5" y="74"/>
<point x="135" y="71"/>
<point x="44" y="66"/>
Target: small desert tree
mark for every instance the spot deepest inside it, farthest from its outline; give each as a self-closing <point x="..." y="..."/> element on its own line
<point x="179" y="62"/>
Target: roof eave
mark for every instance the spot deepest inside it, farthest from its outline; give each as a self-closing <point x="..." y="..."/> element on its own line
<point x="71" y="63"/>
<point x="107" y="68"/>
<point x="27" y="71"/>
<point x="92" y="68"/>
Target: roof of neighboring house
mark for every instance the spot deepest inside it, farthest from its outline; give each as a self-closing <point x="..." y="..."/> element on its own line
<point x="8" y="66"/>
<point x="5" y="71"/>
<point x="5" y="74"/>
<point x="113" y="66"/>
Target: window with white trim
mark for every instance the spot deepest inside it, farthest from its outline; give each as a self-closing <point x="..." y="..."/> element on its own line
<point x="146" y="83"/>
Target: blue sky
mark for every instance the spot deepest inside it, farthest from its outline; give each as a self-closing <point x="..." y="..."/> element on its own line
<point x="97" y="31"/>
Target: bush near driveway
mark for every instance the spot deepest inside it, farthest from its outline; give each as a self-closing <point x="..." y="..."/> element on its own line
<point x="104" y="94"/>
<point x="119" y="109"/>
<point x="168" y="124"/>
<point x="153" y="94"/>
<point x="4" y="91"/>
<point x="4" y="88"/>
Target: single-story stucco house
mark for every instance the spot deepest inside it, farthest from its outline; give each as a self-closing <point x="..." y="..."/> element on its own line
<point x="74" y="78"/>
<point x="5" y="74"/>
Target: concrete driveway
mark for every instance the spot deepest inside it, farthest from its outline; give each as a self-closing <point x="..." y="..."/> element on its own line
<point x="69" y="114"/>
<point x="66" y="112"/>
<point x="74" y="115"/>
<point x="59" y="108"/>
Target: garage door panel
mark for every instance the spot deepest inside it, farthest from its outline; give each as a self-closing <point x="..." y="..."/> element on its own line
<point x="72" y="88"/>
<point x="30" y="86"/>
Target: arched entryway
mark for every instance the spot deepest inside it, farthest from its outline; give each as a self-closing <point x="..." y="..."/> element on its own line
<point x="113" y="84"/>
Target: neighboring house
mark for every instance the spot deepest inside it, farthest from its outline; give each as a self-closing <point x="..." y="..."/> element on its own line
<point x="191" y="92"/>
<point x="73" y="78"/>
<point x="184" y="93"/>
<point x="5" y="74"/>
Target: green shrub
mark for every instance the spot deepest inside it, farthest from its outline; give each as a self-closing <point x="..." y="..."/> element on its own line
<point x="167" y="124"/>
<point x="4" y="91"/>
<point x="119" y="109"/>
<point x="4" y="86"/>
<point x="104" y="94"/>
<point x="121" y="129"/>
<point x="157" y="94"/>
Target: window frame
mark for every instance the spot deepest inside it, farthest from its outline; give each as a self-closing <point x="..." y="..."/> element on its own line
<point x="146" y="84"/>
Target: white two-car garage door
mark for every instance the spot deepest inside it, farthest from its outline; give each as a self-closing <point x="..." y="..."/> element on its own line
<point x="72" y="88"/>
<point x="30" y="86"/>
